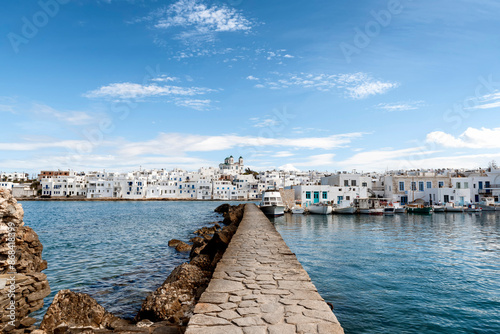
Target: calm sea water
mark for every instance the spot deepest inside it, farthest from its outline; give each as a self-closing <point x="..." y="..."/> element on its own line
<point x="115" y="251"/>
<point x="405" y="273"/>
<point x="400" y="274"/>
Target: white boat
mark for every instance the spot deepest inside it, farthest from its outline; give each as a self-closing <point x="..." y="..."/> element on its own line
<point x="272" y="204"/>
<point x="389" y="210"/>
<point x="471" y="208"/>
<point x="320" y="209"/>
<point x="438" y="208"/>
<point x="349" y="210"/>
<point x="451" y="207"/>
<point x="488" y="204"/>
<point x="297" y="210"/>
<point x="344" y="207"/>
<point x="377" y="211"/>
<point x="364" y="211"/>
<point x="398" y="208"/>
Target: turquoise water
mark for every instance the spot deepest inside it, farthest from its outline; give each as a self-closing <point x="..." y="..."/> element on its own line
<point x="405" y="273"/>
<point x="115" y="251"/>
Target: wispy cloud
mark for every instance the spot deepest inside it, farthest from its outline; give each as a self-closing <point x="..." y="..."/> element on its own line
<point x="164" y="78"/>
<point x="70" y="117"/>
<point x="264" y="122"/>
<point x="163" y="144"/>
<point x="199" y="21"/>
<point x="488" y="101"/>
<point x="194" y="103"/>
<point x="482" y="138"/>
<point x="354" y="85"/>
<point x="128" y="90"/>
<point x="251" y="77"/>
<point x="399" y="106"/>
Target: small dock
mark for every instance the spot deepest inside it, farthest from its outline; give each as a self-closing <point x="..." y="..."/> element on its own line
<point x="259" y="287"/>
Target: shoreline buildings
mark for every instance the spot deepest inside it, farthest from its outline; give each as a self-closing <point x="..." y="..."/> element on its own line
<point x="231" y="182"/>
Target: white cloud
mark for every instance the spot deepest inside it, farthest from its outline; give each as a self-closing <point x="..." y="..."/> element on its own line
<point x="282" y="154"/>
<point x="289" y="168"/>
<point x="319" y="160"/>
<point x="488" y="101"/>
<point x="288" y="56"/>
<point x="399" y="106"/>
<point x="164" y="143"/>
<point x="200" y="21"/>
<point x="34" y="146"/>
<point x="471" y="138"/>
<point x="263" y="123"/>
<point x="164" y="78"/>
<point x="194" y="104"/>
<point x="129" y="90"/>
<point x="251" y="77"/>
<point x="354" y="85"/>
<point x="71" y="117"/>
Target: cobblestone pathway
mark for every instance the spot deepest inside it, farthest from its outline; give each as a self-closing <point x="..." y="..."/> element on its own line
<point x="259" y="287"/>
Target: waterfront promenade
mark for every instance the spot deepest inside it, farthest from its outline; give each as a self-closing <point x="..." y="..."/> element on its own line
<point x="260" y="287"/>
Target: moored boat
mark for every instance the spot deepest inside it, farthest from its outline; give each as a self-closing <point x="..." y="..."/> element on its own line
<point x="471" y="208"/>
<point x="272" y="204"/>
<point x="349" y="210"/>
<point x="297" y="210"/>
<point x="320" y="209"/>
<point x="376" y="211"/>
<point x="418" y="209"/>
<point x="451" y="207"/>
<point x="438" y="208"/>
<point x="398" y="208"/>
<point x="488" y="204"/>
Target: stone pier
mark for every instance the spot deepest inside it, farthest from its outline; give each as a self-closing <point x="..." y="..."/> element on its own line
<point x="259" y="287"/>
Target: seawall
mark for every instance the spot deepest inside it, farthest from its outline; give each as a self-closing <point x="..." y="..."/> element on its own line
<point x="259" y="286"/>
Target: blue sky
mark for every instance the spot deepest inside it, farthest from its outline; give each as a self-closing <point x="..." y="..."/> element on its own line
<point x="326" y="85"/>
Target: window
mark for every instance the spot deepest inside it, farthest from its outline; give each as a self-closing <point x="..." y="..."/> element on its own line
<point x="346" y="183"/>
<point x="353" y="183"/>
<point x="421" y="186"/>
<point x="414" y="186"/>
<point x="441" y="184"/>
<point x="364" y="184"/>
<point x="348" y="197"/>
<point x="466" y="185"/>
<point x="401" y="186"/>
<point x="458" y="185"/>
<point x="325" y="195"/>
<point x="429" y="184"/>
<point x="308" y="195"/>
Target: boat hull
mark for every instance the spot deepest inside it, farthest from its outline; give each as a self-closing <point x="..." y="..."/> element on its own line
<point x="376" y="212"/>
<point x="389" y="211"/>
<point x="320" y="209"/>
<point x="399" y="210"/>
<point x="438" y="208"/>
<point x="273" y="211"/>
<point x="454" y="209"/>
<point x="420" y="211"/>
<point x="346" y="211"/>
<point x="488" y="207"/>
<point x="297" y="211"/>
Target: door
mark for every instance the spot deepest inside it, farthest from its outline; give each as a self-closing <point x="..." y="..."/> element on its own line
<point x="446" y="198"/>
<point x="340" y="199"/>
<point x="404" y="200"/>
<point x="316" y="197"/>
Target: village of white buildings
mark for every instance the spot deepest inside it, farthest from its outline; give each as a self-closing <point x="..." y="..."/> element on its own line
<point x="231" y="181"/>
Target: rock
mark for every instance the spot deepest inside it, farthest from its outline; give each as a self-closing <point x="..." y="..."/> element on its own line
<point x="145" y="323"/>
<point x="174" y="242"/>
<point x="224" y="208"/>
<point x="183" y="247"/>
<point x="196" y="240"/>
<point x="203" y="262"/>
<point x="31" y="285"/>
<point x="73" y="309"/>
<point x="174" y="300"/>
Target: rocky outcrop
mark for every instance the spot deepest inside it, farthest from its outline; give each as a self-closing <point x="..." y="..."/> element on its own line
<point x="22" y="285"/>
<point x="174" y="301"/>
<point x="70" y="309"/>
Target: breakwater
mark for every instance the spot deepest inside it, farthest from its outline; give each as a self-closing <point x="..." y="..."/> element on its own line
<point x="259" y="286"/>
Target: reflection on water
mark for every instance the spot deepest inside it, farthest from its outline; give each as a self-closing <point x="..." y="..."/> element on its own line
<point x="404" y="273"/>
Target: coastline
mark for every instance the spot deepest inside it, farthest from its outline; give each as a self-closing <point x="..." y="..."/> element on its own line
<point x="156" y="199"/>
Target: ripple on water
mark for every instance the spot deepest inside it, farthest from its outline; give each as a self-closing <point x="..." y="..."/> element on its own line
<point x="405" y="273"/>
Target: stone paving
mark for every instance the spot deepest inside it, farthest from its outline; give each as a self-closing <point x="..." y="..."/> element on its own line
<point x="259" y="287"/>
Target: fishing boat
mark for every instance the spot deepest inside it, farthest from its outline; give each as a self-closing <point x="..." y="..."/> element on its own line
<point x="488" y="204"/>
<point x="471" y="208"/>
<point x="344" y="207"/>
<point x="298" y="210"/>
<point x="320" y="209"/>
<point x="272" y="204"/>
<point x="451" y="207"/>
<point x="438" y="208"/>
<point x="376" y="211"/>
<point x="418" y="209"/>
<point x="398" y="208"/>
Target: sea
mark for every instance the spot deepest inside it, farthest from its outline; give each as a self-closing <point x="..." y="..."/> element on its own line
<point x="436" y="273"/>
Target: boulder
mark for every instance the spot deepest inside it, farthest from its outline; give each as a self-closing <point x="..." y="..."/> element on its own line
<point x="183" y="247"/>
<point x="223" y="208"/>
<point x="71" y="309"/>
<point x="174" y="242"/>
<point x="174" y="300"/>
